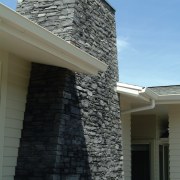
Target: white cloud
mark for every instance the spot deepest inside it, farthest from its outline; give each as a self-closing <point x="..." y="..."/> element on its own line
<point x="122" y="43"/>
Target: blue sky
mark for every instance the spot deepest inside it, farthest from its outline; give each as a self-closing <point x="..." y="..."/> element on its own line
<point x="148" y="41"/>
<point x="148" y="38"/>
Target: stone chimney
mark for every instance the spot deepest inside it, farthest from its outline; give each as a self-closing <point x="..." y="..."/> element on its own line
<point x="72" y="128"/>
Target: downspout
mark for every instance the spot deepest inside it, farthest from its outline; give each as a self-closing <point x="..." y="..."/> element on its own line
<point x="151" y="106"/>
<point x="148" y="107"/>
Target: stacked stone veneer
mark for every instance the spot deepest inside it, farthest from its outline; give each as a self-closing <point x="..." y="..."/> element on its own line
<point x="72" y="124"/>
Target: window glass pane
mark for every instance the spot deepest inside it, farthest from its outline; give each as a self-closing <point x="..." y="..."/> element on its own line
<point x="140" y="162"/>
<point x="164" y="162"/>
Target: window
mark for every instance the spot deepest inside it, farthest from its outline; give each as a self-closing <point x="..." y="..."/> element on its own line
<point x="141" y="162"/>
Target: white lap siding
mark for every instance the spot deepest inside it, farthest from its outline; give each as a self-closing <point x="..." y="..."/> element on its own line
<point x="174" y="142"/>
<point x="17" y="85"/>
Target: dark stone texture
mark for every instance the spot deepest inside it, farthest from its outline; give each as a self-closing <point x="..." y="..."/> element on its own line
<point x="92" y="152"/>
<point x="53" y="145"/>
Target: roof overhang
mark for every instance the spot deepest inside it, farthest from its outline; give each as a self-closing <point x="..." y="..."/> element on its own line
<point x="136" y="99"/>
<point x="24" y="38"/>
<point x="147" y="93"/>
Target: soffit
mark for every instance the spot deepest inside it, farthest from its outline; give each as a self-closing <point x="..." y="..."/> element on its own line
<point x="24" y="38"/>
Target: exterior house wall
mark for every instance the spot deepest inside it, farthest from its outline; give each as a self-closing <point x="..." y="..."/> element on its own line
<point x="14" y="82"/>
<point x="144" y="129"/>
<point x="174" y="141"/>
<point x="148" y="129"/>
<point x="126" y="139"/>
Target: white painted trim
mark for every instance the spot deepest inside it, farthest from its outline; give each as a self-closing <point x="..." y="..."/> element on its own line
<point x="3" y="91"/>
<point x="148" y="107"/>
<point x="129" y="86"/>
<point x="146" y="93"/>
<point x="163" y="141"/>
<point x="131" y="90"/>
<point x="62" y="52"/>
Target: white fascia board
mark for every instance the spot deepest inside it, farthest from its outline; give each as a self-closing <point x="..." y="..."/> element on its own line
<point x="58" y="52"/>
<point x="128" y="89"/>
<point x="132" y="91"/>
<point x="129" y="86"/>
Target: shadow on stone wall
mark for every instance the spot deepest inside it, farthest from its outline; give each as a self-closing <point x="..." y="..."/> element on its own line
<point x="53" y="145"/>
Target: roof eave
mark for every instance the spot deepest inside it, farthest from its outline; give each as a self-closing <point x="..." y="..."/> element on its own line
<point x="139" y="92"/>
<point x="63" y="53"/>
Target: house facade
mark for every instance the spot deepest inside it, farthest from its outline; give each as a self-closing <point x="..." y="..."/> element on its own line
<point x="60" y="105"/>
<point x="60" y="116"/>
<point x="150" y="124"/>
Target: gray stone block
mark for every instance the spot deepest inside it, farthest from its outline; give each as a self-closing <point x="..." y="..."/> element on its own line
<point x="73" y="119"/>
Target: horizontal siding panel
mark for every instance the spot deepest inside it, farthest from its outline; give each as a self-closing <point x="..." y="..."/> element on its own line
<point x="14" y="123"/>
<point x="18" y="62"/>
<point x="18" y="80"/>
<point x="18" y="99"/>
<point x="174" y="124"/>
<point x="174" y="141"/>
<point x="16" y="93"/>
<point x="19" y="69"/>
<point x="175" y="175"/>
<point x="11" y="142"/>
<point x="174" y="135"/>
<point x="174" y="117"/>
<point x="7" y="171"/>
<point x="10" y="132"/>
<point x="174" y="146"/>
<point x="11" y="152"/>
<point x="17" y="87"/>
<point x="174" y="130"/>
<point x="20" y="72"/>
<point x="14" y="114"/>
<point x="175" y="169"/>
<point x="175" y="152"/>
<point x="8" y="178"/>
<point x="17" y="105"/>
<point x="175" y="158"/>
<point x="9" y="161"/>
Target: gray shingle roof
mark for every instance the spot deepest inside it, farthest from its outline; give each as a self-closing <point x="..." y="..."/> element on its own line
<point x="166" y="90"/>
